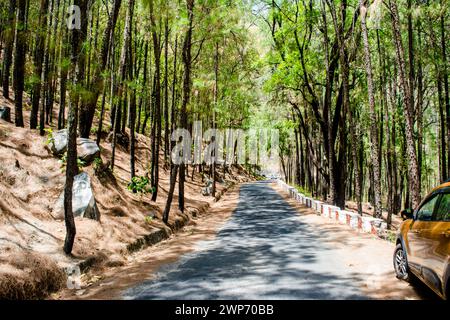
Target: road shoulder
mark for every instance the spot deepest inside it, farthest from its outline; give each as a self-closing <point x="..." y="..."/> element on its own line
<point x="368" y="257"/>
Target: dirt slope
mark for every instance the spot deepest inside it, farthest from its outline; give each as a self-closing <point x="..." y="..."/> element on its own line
<point x="31" y="180"/>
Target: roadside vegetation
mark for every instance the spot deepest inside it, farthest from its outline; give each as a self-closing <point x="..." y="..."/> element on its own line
<point x="364" y="91"/>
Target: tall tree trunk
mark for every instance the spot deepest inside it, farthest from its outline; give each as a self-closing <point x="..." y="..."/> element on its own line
<point x="111" y="61"/>
<point x="132" y="133"/>
<point x="157" y="103"/>
<point x="77" y="77"/>
<point x="187" y="60"/>
<point x="38" y="60"/>
<point x="375" y="150"/>
<point x="46" y="75"/>
<point x="302" y="162"/>
<point x="123" y="65"/>
<point x="132" y="108"/>
<point x="216" y="92"/>
<point x="174" y="85"/>
<point x="397" y="187"/>
<point x="411" y="58"/>
<point x="43" y="115"/>
<point x="411" y="71"/>
<point x="297" y="154"/>
<point x="387" y="131"/>
<point x="142" y="98"/>
<point x="63" y="74"/>
<point x="344" y="65"/>
<point x="9" y="39"/>
<point x="166" y="91"/>
<point x="419" y="112"/>
<point x="50" y="96"/>
<point x="173" y="168"/>
<point x="19" y="62"/>
<point x="442" y="127"/>
<point x="327" y="114"/>
<point x="125" y="108"/>
<point x="413" y="167"/>
<point x="173" y="178"/>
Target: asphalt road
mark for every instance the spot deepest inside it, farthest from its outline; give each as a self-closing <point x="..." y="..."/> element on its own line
<point x="264" y="251"/>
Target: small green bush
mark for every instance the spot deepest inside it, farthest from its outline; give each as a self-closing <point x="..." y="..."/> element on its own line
<point x="97" y="163"/>
<point x="100" y="169"/>
<point x="148" y="219"/>
<point x="303" y="191"/>
<point x="50" y="137"/>
<point x="140" y="185"/>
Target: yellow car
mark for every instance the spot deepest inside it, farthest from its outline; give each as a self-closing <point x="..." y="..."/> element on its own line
<point x="423" y="242"/>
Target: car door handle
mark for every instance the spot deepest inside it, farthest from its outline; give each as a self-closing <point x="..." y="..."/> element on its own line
<point x="446" y="233"/>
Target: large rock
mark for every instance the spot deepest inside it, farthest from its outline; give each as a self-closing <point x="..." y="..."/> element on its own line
<point x="87" y="150"/>
<point x="58" y="145"/>
<point x="83" y="200"/>
<point x="5" y="113"/>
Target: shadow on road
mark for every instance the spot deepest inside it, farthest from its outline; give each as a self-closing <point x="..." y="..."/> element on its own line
<point x="263" y="251"/>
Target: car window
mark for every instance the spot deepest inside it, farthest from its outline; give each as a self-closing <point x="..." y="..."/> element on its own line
<point x="425" y="212"/>
<point x="443" y="210"/>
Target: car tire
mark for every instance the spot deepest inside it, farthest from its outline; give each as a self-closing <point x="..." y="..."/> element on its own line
<point x="401" y="264"/>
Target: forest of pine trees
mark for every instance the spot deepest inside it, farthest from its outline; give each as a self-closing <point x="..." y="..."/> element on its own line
<point x="366" y="84"/>
<point x="358" y="88"/>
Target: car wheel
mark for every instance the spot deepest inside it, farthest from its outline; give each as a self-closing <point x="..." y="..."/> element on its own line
<point x="401" y="263"/>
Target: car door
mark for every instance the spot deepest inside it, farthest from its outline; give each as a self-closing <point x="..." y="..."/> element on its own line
<point x="435" y="261"/>
<point x="418" y="244"/>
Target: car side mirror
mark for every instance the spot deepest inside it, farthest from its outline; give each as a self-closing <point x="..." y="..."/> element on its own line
<point x="407" y="214"/>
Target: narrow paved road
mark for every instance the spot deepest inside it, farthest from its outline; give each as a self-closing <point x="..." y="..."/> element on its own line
<point x="264" y="251"/>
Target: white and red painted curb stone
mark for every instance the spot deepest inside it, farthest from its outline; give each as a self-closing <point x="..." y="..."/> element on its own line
<point x="319" y="207"/>
<point x="343" y="216"/>
<point x="326" y="212"/>
<point x="354" y="220"/>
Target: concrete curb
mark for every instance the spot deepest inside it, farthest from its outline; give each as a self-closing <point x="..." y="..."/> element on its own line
<point x="352" y="219"/>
